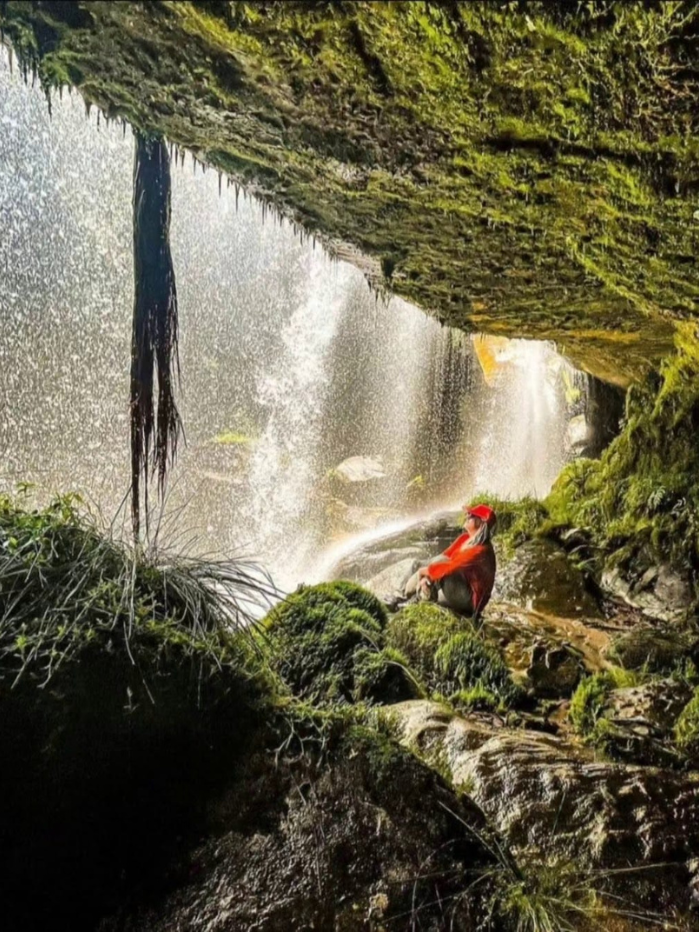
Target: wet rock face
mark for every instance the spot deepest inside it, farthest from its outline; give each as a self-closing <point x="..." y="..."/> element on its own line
<point x="660" y="592"/>
<point x="641" y="720"/>
<point x="540" y="576"/>
<point x="542" y="793"/>
<point x="345" y="855"/>
<point x="548" y="654"/>
<point x="652" y="649"/>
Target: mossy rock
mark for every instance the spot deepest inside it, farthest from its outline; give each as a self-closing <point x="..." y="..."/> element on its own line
<point x="587" y="704"/>
<point x="418" y="630"/>
<point x="329" y="650"/>
<point x="509" y="142"/>
<point x="652" y="650"/>
<point x="687" y="728"/>
<point x="385" y="677"/>
<point x="449" y="654"/>
<point x="466" y="660"/>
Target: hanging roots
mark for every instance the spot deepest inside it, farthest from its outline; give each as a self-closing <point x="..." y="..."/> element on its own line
<point x="154" y="432"/>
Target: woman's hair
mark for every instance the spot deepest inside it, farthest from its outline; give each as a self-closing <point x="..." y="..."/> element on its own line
<point x="482" y="535"/>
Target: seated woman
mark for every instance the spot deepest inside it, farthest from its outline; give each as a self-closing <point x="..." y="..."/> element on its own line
<point x="462" y="577"/>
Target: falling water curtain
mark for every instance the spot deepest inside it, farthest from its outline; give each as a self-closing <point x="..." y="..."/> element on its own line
<point x="155" y="428"/>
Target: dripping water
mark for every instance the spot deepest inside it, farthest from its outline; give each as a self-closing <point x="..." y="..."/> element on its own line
<point x="290" y="365"/>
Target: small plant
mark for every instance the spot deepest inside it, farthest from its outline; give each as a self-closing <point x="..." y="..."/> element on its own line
<point x="686" y="729"/>
<point x="587" y="704"/>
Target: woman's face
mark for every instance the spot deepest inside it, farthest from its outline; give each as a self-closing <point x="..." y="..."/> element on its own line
<point x="472" y="524"/>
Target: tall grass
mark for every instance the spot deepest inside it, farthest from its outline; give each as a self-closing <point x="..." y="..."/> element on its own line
<point x="66" y="584"/>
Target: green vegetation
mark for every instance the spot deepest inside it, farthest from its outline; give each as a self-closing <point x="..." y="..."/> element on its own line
<point x="640" y="501"/>
<point x="550" y="151"/>
<point x="517" y="520"/>
<point x="545" y="897"/>
<point x="587" y="704"/>
<point x="68" y="590"/>
<point x="327" y="643"/>
<point x="451" y="657"/>
<point x="686" y="730"/>
<point x="231" y="438"/>
<point x="466" y="660"/>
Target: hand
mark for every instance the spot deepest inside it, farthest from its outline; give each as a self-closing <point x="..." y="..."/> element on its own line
<point x="422" y="572"/>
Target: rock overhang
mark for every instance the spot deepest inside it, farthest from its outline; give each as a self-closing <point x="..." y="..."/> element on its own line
<point x="500" y="167"/>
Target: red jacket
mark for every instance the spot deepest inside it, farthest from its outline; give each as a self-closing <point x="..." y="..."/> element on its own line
<point x="475" y="564"/>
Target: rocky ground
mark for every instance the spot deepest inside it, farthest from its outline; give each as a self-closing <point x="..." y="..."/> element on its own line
<point x="593" y="766"/>
<point x="339" y="767"/>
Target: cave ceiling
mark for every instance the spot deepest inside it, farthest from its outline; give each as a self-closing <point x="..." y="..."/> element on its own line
<point x="511" y="168"/>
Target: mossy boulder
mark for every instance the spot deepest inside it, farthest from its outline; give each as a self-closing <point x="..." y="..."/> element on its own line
<point x="328" y="649"/>
<point x="654" y="650"/>
<point x="450" y="655"/>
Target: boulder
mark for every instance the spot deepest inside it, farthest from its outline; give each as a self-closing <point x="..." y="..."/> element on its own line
<point x="391" y="579"/>
<point x="341" y="849"/>
<point x="660" y="592"/>
<point x="421" y="540"/>
<point x="554" y="671"/>
<point x="540" y="576"/>
<point x="547" y="653"/>
<point x="655" y="650"/>
<point x="544" y="794"/>
<point x="360" y="469"/>
<point x="641" y="720"/>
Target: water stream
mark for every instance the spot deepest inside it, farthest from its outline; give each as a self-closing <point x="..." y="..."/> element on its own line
<point x="291" y="367"/>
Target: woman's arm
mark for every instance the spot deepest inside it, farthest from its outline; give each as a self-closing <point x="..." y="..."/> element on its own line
<point x="437" y="571"/>
<point x="452" y="548"/>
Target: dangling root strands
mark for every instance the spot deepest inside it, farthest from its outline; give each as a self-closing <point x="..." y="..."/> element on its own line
<point x="155" y="430"/>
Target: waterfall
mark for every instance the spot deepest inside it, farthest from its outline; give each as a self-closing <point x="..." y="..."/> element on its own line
<point x="294" y="376"/>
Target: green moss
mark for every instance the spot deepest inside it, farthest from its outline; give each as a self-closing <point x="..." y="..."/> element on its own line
<point x="554" y="148"/>
<point x="465" y="661"/>
<point x="418" y="631"/>
<point x="476" y="698"/>
<point x="385" y="677"/>
<point x="449" y="655"/>
<point x="329" y="651"/>
<point x="587" y="704"/>
<point x="358" y="597"/>
<point x="686" y="731"/>
<point x="639" y="502"/>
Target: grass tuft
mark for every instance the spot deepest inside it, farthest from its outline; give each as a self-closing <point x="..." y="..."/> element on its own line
<point x="66" y="585"/>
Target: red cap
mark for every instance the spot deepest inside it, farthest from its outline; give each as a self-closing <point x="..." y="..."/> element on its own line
<point x="484" y="513"/>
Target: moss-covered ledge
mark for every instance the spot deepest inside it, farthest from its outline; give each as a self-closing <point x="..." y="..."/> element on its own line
<point x="510" y="167"/>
